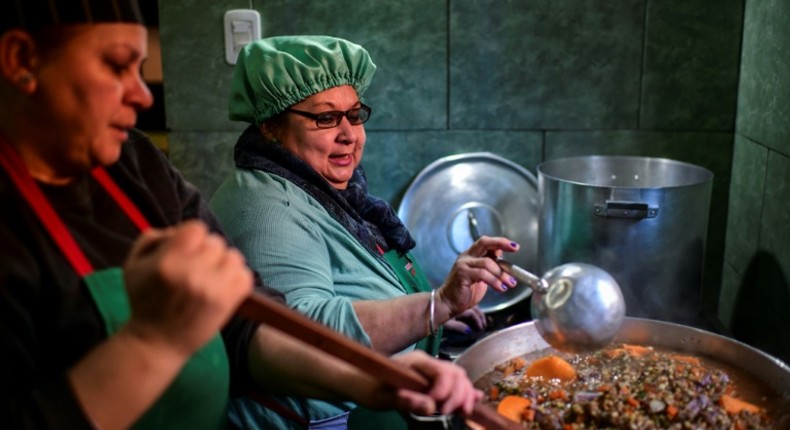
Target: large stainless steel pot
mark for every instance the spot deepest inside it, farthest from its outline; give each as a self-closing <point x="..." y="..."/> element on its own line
<point x="483" y="356"/>
<point x="644" y="220"/>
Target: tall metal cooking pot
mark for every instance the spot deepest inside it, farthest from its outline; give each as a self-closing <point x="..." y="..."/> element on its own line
<point x="643" y="220"/>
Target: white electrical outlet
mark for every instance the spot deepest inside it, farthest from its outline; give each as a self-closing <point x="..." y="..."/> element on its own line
<point x="242" y="26"/>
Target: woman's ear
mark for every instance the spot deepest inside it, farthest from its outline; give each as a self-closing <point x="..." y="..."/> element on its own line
<point x="269" y="130"/>
<point x="18" y="59"/>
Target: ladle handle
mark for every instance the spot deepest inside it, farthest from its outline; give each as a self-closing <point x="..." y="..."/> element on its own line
<point x="474" y="230"/>
<point x="539" y="285"/>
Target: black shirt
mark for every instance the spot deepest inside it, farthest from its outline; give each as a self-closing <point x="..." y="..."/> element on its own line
<point x="48" y="320"/>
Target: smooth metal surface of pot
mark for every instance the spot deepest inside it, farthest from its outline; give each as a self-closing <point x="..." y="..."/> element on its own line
<point x="500" y="194"/>
<point x="643" y="220"/>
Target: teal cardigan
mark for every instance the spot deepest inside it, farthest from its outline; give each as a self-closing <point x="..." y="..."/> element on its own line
<point x="299" y="249"/>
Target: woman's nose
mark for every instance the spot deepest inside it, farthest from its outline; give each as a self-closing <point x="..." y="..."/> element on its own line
<point x="347" y="133"/>
<point x="138" y="94"/>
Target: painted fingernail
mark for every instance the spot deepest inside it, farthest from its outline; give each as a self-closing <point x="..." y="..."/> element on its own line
<point x="514" y="244"/>
<point x="468" y="330"/>
<point x="504" y="286"/>
<point x="512" y="281"/>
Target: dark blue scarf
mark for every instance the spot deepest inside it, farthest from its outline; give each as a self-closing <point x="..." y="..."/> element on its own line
<point x="370" y="219"/>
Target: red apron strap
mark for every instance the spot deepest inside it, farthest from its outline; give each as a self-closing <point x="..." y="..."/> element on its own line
<point x="120" y="197"/>
<point x="16" y="169"/>
<point x="13" y="164"/>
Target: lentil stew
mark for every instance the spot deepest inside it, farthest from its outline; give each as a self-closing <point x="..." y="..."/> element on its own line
<point x="629" y="386"/>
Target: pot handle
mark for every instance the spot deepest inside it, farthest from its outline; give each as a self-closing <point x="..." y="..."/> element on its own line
<point x="625" y="209"/>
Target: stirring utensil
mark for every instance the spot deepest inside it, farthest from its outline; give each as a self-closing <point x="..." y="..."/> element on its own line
<point x="266" y="311"/>
<point x="576" y="306"/>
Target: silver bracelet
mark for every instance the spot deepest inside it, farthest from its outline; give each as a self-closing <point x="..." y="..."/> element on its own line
<point x="431" y="312"/>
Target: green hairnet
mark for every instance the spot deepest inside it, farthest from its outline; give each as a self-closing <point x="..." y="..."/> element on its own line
<point x="275" y="73"/>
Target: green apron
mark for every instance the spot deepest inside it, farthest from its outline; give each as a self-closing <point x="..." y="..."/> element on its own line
<point x="198" y="397"/>
<point x="413" y="280"/>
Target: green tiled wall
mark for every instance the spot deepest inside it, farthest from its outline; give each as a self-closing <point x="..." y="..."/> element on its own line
<point x="562" y="64"/>
<point x="689" y="81"/>
<point x="756" y="293"/>
<point x="525" y="79"/>
<point x="764" y="94"/>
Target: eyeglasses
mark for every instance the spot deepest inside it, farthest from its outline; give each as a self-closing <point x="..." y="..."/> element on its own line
<point x="332" y="118"/>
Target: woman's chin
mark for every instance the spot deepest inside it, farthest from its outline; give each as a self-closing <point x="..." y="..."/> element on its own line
<point x="107" y="157"/>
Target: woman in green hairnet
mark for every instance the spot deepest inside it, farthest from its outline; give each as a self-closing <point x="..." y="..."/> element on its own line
<point x="297" y="206"/>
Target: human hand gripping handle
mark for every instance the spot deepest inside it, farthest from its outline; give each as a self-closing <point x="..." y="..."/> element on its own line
<point x="390" y="372"/>
<point x="184" y="283"/>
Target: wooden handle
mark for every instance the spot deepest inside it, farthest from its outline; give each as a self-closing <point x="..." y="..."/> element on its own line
<point x="266" y="311"/>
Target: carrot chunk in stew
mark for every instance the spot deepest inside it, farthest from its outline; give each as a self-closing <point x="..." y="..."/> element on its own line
<point x="734" y="405"/>
<point x="513" y="407"/>
<point x="552" y="367"/>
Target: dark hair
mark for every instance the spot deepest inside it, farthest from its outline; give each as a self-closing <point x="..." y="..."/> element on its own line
<point x="275" y="123"/>
<point x="33" y="15"/>
<point x="49" y="39"/>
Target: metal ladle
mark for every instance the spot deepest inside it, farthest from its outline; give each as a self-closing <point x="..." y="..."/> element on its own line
<point x="576" y="306"/>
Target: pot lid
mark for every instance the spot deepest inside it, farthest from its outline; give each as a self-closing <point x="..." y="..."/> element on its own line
<point x="503" y="199"/>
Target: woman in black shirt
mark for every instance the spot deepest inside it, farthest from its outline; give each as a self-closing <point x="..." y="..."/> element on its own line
<point x="117" y="287"/>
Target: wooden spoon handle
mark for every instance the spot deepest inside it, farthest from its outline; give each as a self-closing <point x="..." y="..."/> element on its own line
<point x="266" y="311"/>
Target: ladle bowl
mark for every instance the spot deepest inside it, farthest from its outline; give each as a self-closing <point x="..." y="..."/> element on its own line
<point x="576" y="306"/>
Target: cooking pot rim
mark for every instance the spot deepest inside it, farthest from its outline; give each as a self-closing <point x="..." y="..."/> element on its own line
<point x="765" y="367"/>
<point x="557" y="169"/>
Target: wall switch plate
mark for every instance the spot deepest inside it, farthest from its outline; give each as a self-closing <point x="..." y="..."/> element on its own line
<point x="242" y="26"/>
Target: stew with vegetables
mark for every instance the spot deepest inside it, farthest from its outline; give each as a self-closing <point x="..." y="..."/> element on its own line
<point x="627" y="387"/>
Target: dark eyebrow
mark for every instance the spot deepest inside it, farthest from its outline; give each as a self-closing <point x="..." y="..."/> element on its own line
<point x="134" y="53"/>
